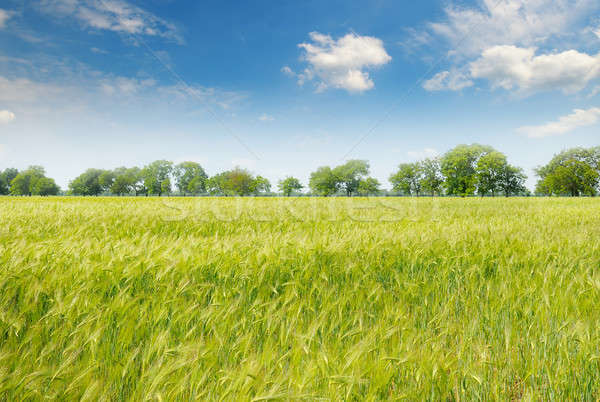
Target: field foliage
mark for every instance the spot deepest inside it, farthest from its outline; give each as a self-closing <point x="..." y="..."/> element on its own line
<point x="303" y="298"/>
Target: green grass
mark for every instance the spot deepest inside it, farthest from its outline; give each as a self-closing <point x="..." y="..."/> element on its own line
<point x="340" y="299"/>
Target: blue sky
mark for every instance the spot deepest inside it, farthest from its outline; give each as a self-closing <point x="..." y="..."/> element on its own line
<point x="284" y="87"/>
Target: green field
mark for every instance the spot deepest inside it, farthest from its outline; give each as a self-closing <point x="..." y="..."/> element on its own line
<point x="300" y="298"/>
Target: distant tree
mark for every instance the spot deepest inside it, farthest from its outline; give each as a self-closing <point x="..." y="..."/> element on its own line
<point x="165" y="186"/>
<point x="216" y="185"/>
<point x="237" y="182"/>
<point x="10" y="174"/>
<point x="288" y="185"/>
<point x="106" y="180"/>
<point x="123" y="181"/>
<point x="431" y="176"/>
<point x="137" y="178"/>
<point x="197" y="185"/>
<point x="572" y="172"/>
<point x="261" y="185"/>
<point x="512" y="180"/>
<point x="24" y="182"/>
<point x="45" y="186"/>
<point x="155" y="174"/>
<point x="187" y="173"/>
<point x="88" y="183"/>
<point x="6" y="178"/>
<point x="490" y="168"/>
<point x="4" y="189"/>
<point x="459" y="168"/>
<point x="349" y="175"/>
<point x="407" y="179"/>
<point x="323" y="182"/>
<point x="368" y="186"/>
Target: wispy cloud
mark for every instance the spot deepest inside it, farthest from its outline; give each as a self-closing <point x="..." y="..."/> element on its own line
<point x="564" y="125"/>
<point x="448" y="80"/>
<point x="341" y="63"/>
<point x="112" y="15"/>
<point x="266" y="117"/>
<point x="4" y="17"/>
<point x="509" y="22"/>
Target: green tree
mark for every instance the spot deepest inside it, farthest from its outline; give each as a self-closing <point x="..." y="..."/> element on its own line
<point x="24" y="182"/>
<point x="6" y="178"/>
<point x="368" y="186"/>
<point x="288" y="185"/>
<point x="88" y="183"/>
<point x="197" y="185"/>
<point x="155" y="174"/>
<point x="233" y="182"/>
<point x="459" y="168"/>
<point x="123" y="181"/>
<point x="165" y="186"/>
<point x="349" y="175"/>
<point x="216" y="185"/>
<point x="45" y="186"/>
<point x="323" y="182"/>
<point x="431" y="176"/>
<point x="490" y="168"/>
<point x="512" y="180"/>
<point x="572" y="172"/>
<point x="407" y="179"/>
<point x="261" y="185"/>
<point x="106" y="180"/>
<point x="187" y="173"/>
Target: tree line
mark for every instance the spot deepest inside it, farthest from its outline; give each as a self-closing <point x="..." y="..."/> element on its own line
<point x="465" y="170"/>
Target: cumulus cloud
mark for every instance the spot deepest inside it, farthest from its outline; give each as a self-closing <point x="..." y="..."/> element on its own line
<point x="565" y="124"/>
<point x="341" y="63"/>
<point x="113" y="15"/>
<point x="511" y="67"/>
<point x="509" y="22"/>
<point x="4" y="16"/>
<point x="448" y="80"/>
<point x="6" y="116"/>
<point x="266" y="117"/>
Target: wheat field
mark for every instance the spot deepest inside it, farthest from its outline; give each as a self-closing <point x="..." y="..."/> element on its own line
<point x="299" y="299"/>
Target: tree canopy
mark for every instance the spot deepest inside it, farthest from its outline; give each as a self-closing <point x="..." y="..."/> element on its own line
<point x="288" y="185"/>
<point x="572" y="172"/>
<point x="32" y="181"/>
<point x="464" y="170"/>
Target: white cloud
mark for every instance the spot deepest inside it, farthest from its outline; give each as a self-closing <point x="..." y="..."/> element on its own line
<point x="6" y="116"/>
<point x="565" y="124"/>
<point x="341" y="63"/>
<point x="98" y="50"/>
<point x="425" y="153"/>
<point x="511" y="67"/>
<point x="510" y="22"/>
<point x="25" y="90"/>
<point x="125" y="85"/>
<point x="266" y="117"/>
<point x="448" y="80"/>
<point x="597" y="32"/>
<point x="4" y="16"/>
<point x="113" y="15"/>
